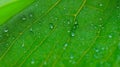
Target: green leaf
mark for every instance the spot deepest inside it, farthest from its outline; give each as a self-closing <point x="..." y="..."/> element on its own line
<point x="62" y="33"/>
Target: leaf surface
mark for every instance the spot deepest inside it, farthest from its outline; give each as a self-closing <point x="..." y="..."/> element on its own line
<point x="62" y="33"/>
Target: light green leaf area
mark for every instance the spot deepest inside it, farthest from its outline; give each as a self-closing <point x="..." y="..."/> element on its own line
<point x="63" y="33"/>
<point x="9" y="8"/>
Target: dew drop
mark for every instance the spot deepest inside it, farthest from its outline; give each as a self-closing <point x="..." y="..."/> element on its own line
<point x="45" y="63"/>
<point x="100" y="19"/>
<point x="6" y="30"/>
<point x="32" y="62"/>
<point x="65" y="45"/>
<point x="71" y="57"/>
<point x="31" y="15"/>
<point x="36" y="5"/>
<point x="68" y="22"/>
<point x="117" y="7"/>
<point x="75" y="25"/>
<point x="64" y="8"/>
<point x="68" y="31"/>
<point x="100" y="4"/>
<point x="23" y="18"/>
<point x="96" y="50"/>
<point x="51" y="26"/>
<point x="31" y="29"/>
<point x="23" y="45"/>
<point x="110" y="36"/>
<point x="72" y="34"/>
<point x="103" y="48"/>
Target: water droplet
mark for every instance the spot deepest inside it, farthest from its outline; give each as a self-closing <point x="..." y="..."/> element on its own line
<point x="23" y="18"/>
<point x="65" y="45"/>
<point x="96" y="50"/>
<point x="71" y="57"/>
<point x="118" y="7"/>
<point x="75" y="25"/>
<point x="68" y="31"/>
<point x="56" y="18"/>
<point x="100" y="25"/>
<point x="110" y="36"/>
<point x="6" y="30"/>
<point x="100" y="4"/>
<point x="103" y="48"/>
<point x="68" y="22"/>
<point x="71" y="61"/>
<point x="31" y="29"/>
<point x="100" y="19"/>
<point x="45" y="63"/>
<point x="31" y="15"/>
<point x="36" y="5"/>
<point x="51" y="26"/>
<point x="32" y="62"/>
<point x="64" y="8"/>
<point x="72" y="34"/>
<point x="23" y="45"/>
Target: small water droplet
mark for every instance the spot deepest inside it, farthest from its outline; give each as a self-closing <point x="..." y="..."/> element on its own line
<point x="23" y="18"/>
<point x="31" y="15"/>
<point x="96" y="50"/>
<point x="75" y="25"/>
<point x="100" y="4"/>
<point x="64" y="8"/>
<point x="51" y="26"/>
<point x="6" y="30"/>
<point x="45" y="63"/>
<point x="103" y="48"/>
<point x="32" y="62"/>
<point x="36" y="5"/>
<point x="118" y="7"/>
<point x="31" y="29"/>
<point x="23" y="45"/>
<point x="100" y="19"/>
<point x="68" y="22"/>
<point x="72" y="34"/>
<point x="110" y="36"/>
<point x="68" y="31"/>
<point x="71" y="57"/>
<point x="65" y="45"/>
